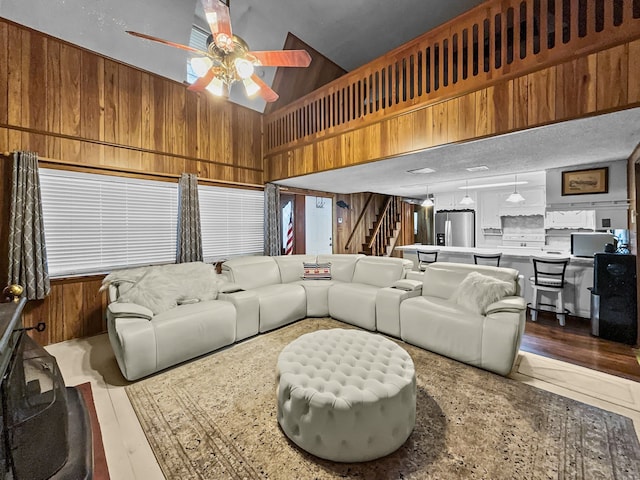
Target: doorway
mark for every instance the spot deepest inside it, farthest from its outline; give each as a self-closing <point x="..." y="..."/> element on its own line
<point x="318" y="225"/>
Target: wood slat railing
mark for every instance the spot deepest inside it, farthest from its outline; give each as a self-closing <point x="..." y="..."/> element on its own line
<point x="383" y="230"/>
<point x="497" y="40"/>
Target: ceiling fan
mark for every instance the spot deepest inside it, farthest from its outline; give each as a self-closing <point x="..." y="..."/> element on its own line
<point x="228" y="58"/>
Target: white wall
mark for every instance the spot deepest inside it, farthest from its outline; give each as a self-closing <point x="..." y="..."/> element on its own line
<point x="100" y="26"/>
<point x="617" y="184"/>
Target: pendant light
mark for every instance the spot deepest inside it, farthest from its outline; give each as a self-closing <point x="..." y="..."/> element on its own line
<point x="515" y="197"/>
<point x="466" y="200"/>
<point x="427" y="201"/>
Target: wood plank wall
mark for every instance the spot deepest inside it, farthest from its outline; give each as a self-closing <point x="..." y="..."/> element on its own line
<point x="593" y="84"/>
<point x="70" y="104"/>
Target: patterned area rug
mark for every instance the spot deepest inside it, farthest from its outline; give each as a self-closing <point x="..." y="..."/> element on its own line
<point x="215" y="418"/>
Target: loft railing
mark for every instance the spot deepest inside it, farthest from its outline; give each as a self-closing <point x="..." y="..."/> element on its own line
<point x="497" y="40"/>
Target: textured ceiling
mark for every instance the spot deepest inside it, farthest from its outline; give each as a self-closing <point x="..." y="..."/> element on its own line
<point x="578" y="142"/>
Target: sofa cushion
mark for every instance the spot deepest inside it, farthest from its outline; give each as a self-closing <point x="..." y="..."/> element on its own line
<point x="354" y="303"/>
<point x="253" y="271"/>
<point x="191" y="330"/>
<point x="291" y="266"/>
<point x="443" y="327"/>
<point x="317" y="293"/>
<point x="441" y="279"/>
<point x="378" y="271"/>
<point x="280" y="305"/>
<point x="477" y="291"/>
<point x="342" y="265"/>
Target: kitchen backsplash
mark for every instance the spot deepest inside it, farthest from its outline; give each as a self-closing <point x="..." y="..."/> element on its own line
<point x="523" y="224"/>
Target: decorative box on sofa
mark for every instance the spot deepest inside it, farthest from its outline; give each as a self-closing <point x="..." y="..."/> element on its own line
<point x="477" y="319"/>
<point x="188" y="320"/>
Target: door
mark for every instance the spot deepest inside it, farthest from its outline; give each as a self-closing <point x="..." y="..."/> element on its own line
<point x="318" y="225"/>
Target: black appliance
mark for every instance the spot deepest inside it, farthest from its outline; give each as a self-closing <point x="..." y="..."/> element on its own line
<point x="613" y="298"/>
<point x="45" y="431"/>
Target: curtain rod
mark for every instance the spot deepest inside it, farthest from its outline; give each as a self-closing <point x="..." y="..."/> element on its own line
<point x="135" y="172"/>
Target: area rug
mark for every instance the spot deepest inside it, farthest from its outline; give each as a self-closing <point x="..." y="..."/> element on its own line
<point x="215" y="418"/>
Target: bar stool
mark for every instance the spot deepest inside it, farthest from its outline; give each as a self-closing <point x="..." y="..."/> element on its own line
<point x="548" y="276"/>
<point x="492" y="259"/>
<point x="425" y="257"/>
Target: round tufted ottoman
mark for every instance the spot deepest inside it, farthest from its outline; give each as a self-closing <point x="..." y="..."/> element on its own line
<point x="346" y="395"/>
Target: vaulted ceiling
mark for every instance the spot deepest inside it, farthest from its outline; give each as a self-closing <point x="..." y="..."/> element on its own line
<point x="350" y="33"/>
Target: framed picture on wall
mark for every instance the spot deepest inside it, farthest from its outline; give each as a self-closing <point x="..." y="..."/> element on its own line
<point x="582" y="182"/>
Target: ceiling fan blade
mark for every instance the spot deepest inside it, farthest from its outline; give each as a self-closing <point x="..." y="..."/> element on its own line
<point x="202" y="82"/>
<point x="217" y="14"/>
<point x="282" y="58"/>
<point x="167" y="42"/>
<point x="265" y="90"/>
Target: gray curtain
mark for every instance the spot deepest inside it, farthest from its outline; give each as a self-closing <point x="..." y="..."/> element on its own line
<point x="27" y="250"/>
<point x="189" y="248"/>
<point x="272" y="220"/>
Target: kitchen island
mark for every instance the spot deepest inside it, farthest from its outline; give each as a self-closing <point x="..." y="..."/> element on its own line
<point x="579" y="275"/>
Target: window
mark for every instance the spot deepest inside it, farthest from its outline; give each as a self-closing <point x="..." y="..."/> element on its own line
<point x="197" y="39"/>
<point x="96" y="223"/>
<point x="232" y="222"/>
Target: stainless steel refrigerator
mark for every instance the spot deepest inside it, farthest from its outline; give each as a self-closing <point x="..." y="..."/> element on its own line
<point x="456" y="228"/>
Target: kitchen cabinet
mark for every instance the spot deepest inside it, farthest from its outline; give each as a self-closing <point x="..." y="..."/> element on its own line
<point x="451" y="201"/>
<point x="489" y="209"/>
<point x="570" y="219"/>
<point x="534" y="202"/>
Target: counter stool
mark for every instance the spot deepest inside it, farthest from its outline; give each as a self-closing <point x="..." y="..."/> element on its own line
<point x="492" y="259"/>
<point x="548" y="276"/>
<point x="425" y="257"/>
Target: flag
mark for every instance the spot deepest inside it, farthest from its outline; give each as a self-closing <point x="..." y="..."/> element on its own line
<point x="289" y="249"/>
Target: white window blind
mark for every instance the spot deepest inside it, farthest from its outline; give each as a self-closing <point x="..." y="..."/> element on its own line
<point x="96" y="223"/>
<point x="232" y="222"/>
<point x="197" y="39"/>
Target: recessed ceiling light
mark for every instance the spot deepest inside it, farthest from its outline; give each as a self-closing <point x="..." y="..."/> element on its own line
<point x="479" y="168"/>
<point x="490" y="185"/>
<point x="422" y="170"/>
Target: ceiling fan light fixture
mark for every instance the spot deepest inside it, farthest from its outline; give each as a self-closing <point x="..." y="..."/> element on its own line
<point x="216" y="86"/>
<point x="244" y="69"/>
<point x="250" y="86"/>
<point x="200" y="65"/>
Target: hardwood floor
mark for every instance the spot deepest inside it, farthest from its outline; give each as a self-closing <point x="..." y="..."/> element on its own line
<point x="574" y="343"/>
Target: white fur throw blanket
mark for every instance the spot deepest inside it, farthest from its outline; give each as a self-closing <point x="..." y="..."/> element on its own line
<point x="162" y="287"/>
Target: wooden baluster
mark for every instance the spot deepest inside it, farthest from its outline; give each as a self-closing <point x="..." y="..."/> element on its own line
<point x="608" y="14"/>
<point x="575" y="25"/>
<point x="544" y="25"/>
<point x="627" y="12"/>
<point x="590" y="20"/>
<point x="529" y="41"/>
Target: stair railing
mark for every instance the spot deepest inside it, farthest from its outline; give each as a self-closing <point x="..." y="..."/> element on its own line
<point x="383" y="230"/>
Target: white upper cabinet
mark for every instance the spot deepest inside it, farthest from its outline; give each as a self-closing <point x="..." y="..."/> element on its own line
<point x="451" y="200"/>
<point x="489" y="209"/>
<point x="571" y="219"/>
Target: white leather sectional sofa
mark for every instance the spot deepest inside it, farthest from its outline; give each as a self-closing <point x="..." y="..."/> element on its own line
<point x="258" y="293"/>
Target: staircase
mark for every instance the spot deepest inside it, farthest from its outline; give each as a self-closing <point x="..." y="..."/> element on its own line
<point x="384" y="233"/>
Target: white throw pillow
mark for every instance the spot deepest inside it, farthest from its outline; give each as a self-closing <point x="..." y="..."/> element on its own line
<point x="477" y="291"/>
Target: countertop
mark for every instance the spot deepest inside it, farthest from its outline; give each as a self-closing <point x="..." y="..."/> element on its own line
<point x="517" y="252"/>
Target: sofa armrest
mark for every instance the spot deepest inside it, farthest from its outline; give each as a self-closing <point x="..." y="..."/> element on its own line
<point x="414" y="275"/>
<point x="230" y="287"/>
<point x="507" y="304"/>
<point x="129" y="310"/>
<point x="407" y="285"/>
